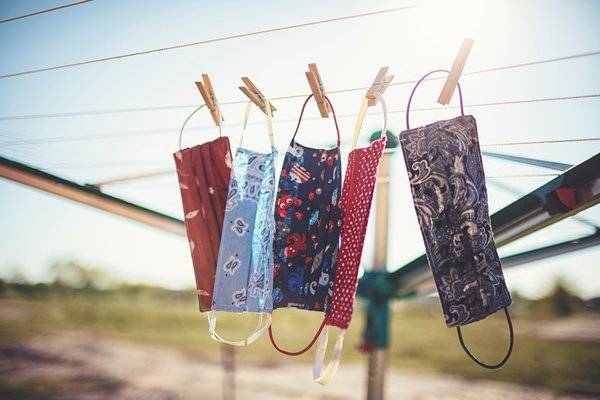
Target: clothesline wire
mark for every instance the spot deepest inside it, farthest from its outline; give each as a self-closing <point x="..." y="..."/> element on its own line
<point x="469" y="73"/>
<point x="208" y="41"/>
<point x="62" y="139"/>
<point x="548" y="141"/>
<point x="288" y="97"/>
<point x="521" y="176"/>
<point x="37" y="152"/>
<point x="2" y="21"/>
<point x="148" y="163"/>
<point x="99" y="164"/>
<point x="141" y="163"/>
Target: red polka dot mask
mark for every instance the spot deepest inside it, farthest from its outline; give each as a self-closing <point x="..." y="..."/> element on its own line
<point x="355" y="202"/>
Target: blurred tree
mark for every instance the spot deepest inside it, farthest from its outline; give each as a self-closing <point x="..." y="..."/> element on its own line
<point x="18" y="277"/>
<point x="73" y="274"/>
<point x="520" y="305"/>
<point x="563" y="301"/>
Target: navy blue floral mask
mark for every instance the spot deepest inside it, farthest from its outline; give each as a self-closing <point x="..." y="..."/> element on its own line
<point x="447" y="182"/>
<point x="307" y="227"/>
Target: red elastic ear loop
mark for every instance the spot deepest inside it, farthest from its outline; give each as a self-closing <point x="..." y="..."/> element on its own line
<point x="296" y="353"/>
<point x="337" y="128"/>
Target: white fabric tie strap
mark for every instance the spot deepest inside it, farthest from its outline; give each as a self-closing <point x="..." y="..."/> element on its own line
<point x="324" y="377"/>
<point x="361" y="117"/>
<point x="269" y="115"/>
<point x="212" y="327"/>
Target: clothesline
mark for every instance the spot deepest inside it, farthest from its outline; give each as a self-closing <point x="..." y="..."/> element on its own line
<point x="287" y="97"/>
<point x="172" y="171"/>
<point x="552" y="141"/>
<point x="148" y="163"/>
<point x="37" y="153"/>
<point x="521" y="176"/>
<point x="2" y="21"/>
<point x="118" y="135"/>
<point x="208" y="41"/>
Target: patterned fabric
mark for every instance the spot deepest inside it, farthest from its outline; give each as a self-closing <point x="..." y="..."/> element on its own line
<point x="447" y="181"/>
<point x="203" y="172"/>
<point x="245" y="264"/>
<point x="308" y="219"/>
<point x="355" y="203"/>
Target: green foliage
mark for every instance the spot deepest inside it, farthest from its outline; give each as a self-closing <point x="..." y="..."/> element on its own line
<point x="20" y="391"/>
<point x="50" y="389"/>
<point x="558" y="303"/>
<point x="73" y="274"/>
<point x="563" y="301"/>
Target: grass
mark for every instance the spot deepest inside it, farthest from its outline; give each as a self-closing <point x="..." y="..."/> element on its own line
<point x="24" y="391"/>
<point x="420" y="340"/>
<point x="53" y="389"/>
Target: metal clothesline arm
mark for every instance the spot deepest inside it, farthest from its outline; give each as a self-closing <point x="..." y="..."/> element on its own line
<point x="532" y="212"/>
<point x="89" y="195"/>
<point x="557" y="166"/>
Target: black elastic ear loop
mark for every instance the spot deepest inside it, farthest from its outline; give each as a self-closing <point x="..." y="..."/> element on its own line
<point x="508" y="353"/>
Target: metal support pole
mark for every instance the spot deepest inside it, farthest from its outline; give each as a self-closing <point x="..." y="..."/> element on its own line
<point x="228" y="367"/>
<point x="382" y="201"/>
<point x="378" y="356"/>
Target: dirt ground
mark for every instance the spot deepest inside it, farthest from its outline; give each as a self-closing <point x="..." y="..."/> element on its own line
<point x="83" y="366"/>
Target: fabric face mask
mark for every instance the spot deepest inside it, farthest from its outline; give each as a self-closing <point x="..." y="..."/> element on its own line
<point x="308" y="218"/>
<point x="203" y="172"/>
<point x="447" y="182"/>
<point x="355" y="202"/>
<point x="245" y="263"/>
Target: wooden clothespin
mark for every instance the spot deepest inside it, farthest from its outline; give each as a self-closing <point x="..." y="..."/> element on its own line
<point x="379" y="86"/>
<point x="208" y="94"/>
<point x="455" y="72"/>
<point x="318" y="90"/>
<point x="255" y="95"/>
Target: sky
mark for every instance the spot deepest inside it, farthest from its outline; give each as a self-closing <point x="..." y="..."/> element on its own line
<point x="38" y="228"/>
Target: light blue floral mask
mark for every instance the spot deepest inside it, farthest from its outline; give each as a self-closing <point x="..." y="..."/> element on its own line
<point x="244" y="275"/>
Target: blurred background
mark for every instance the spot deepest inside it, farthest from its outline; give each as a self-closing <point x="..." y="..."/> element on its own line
<point x="86" y="335"/>
<point x="96" y="306"/>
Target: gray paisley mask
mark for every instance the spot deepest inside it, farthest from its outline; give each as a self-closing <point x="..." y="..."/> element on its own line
<point x="447" y="182"/>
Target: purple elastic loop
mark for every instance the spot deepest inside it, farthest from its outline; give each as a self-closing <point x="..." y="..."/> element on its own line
<point x="462" y="108"/>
